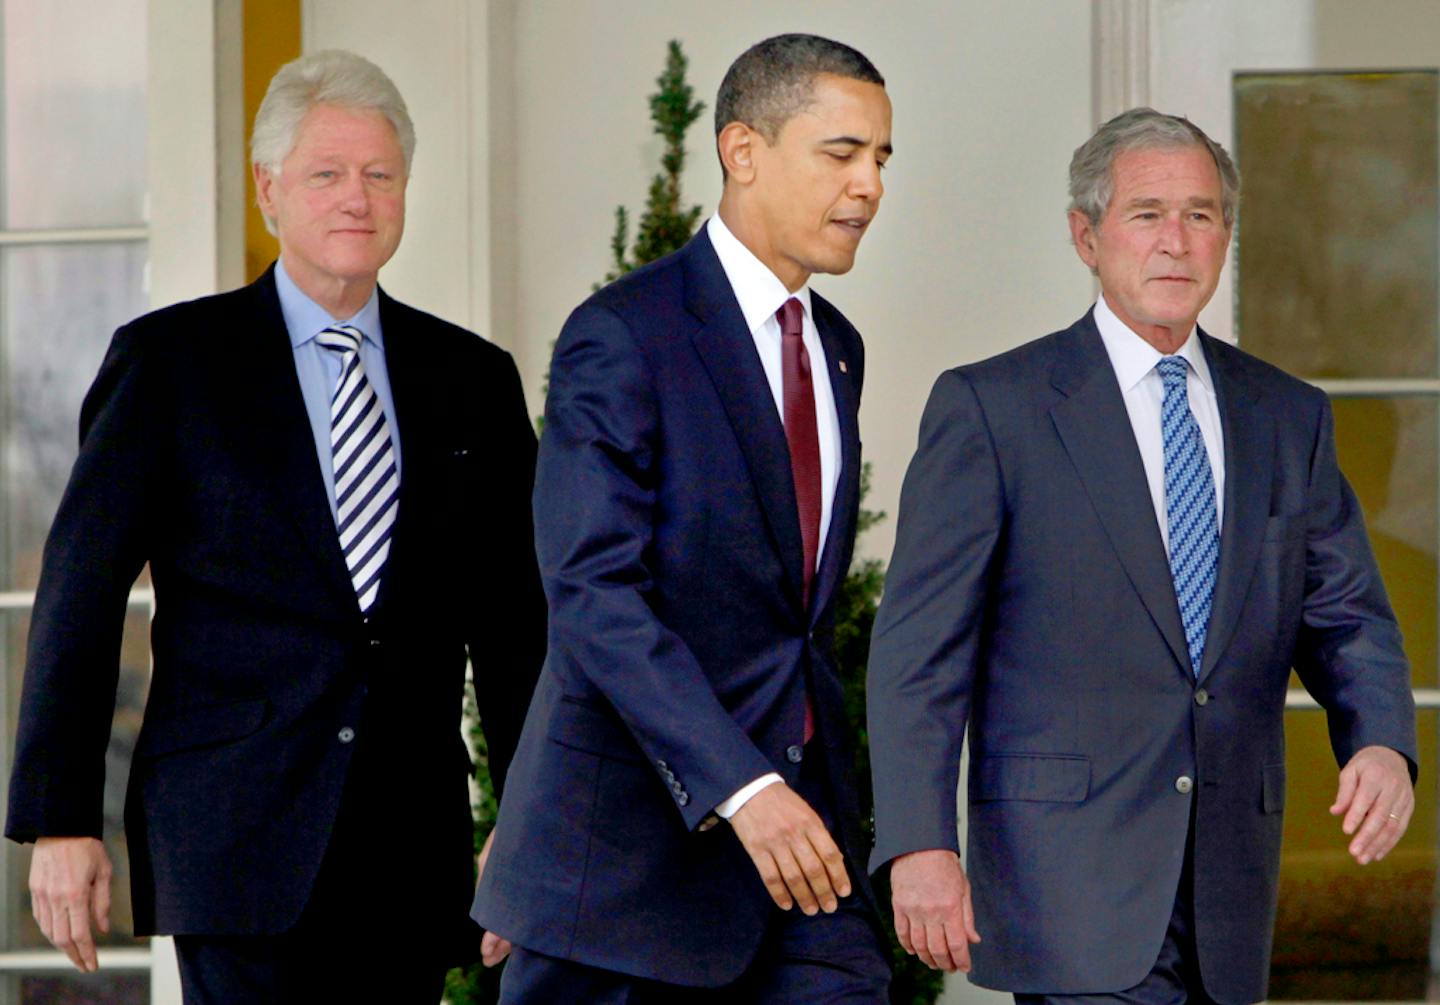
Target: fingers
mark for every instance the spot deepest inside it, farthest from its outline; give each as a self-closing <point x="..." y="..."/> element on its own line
<point x="81" y="939"/>
<point x="770" y="873"/>
<point x="794" y="854"/>
<point x="1378" y="799"/>
<point x="70" y="884"/>
<point x="100" y="900"/>
<point x="934" y="916"/>
<point x="493" y="949"/>
<point x="1346" y="791"/>
<point x="1382" y="828"/>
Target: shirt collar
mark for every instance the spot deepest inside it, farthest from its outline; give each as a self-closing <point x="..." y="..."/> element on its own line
<point x="304" y="318"/>
<point x="1133" y="358"/>
<point x="759" y="290"/>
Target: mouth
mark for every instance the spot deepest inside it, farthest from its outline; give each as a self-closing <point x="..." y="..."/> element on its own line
<point x="852" y="225"/>
<point x="1171" y="279"/>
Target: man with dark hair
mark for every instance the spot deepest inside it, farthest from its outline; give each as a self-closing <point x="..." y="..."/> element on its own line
<point x="332" y="492"/>
<point x="681" y="810"/>
<point x="1114" y="544"/>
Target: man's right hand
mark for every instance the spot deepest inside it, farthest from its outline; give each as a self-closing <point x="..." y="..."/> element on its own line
<point x="70" y="884"/>
<point x="792" y="850"/>
<point x="933" y="916"/>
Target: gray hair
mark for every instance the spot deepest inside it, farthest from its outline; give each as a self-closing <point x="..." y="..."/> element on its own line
<point x="329" y="77"/>
<point x="1092" y="175"/>
<point x="774" y="79"/>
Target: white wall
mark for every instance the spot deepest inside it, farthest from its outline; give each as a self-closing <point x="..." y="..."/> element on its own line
<point x="969" y="255"/>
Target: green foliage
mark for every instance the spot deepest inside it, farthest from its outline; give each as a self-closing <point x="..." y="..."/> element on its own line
<point x="664" y="226"/>
<point x="477" y="985"/>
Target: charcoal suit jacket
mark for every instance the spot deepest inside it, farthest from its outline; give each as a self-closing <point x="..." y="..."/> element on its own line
<point x="1030" y="601"/>
<point x="197" y="457"/>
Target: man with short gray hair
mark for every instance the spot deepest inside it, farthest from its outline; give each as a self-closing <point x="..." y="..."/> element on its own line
<point x="331" y="490"/>
<point x="1114" y="543"/>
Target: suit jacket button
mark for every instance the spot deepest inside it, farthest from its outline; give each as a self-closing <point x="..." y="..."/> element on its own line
<point x="1202" y="696"/>
<point x="793" y="754"/>
<point x="683" y="798"/>
<point x="676" y="787"/>
<point x="346" y="734"/>
<point x="662" y="765"/>
<point x="1183" y="784"/>
<point x="374" y="643"/>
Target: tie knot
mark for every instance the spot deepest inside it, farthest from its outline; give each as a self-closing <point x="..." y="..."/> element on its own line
<point x="1172" y="370"/>
<point x="791" y="316"/>
<point x="340" y="338"/>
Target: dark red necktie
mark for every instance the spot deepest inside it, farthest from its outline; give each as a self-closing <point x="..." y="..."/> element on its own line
<point x="800" y="431"/>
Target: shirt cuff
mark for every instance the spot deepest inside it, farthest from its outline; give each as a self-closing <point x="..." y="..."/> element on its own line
<point x="731" y="806"/>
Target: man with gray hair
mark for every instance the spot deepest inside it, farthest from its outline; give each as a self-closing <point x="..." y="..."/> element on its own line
<point x="1114" y="543"/>
<point x="332" y="492"/>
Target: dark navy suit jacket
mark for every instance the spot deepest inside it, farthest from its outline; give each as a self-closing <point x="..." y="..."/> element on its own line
<point x="680" y="651"/>
<point x="1031" y="600"/>
<point x="197" y="457"/>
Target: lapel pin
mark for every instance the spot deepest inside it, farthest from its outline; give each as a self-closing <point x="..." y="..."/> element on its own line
<point x="843" y="367"/>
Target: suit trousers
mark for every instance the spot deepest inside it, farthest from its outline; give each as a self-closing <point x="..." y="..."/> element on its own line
<point x="1175" y="977"/>
<point x="828" y="959"/>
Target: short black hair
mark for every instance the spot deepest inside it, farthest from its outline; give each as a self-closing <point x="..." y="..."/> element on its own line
<point x="774" y="79"/>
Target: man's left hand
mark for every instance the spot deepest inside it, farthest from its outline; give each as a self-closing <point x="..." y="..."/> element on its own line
<point x="1377" y="799"/>
<point x="493" y="948"/>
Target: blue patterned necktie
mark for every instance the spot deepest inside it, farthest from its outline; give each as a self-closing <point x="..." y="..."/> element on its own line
<point x="1189" y="508"/>
<point x="367" y="482"/>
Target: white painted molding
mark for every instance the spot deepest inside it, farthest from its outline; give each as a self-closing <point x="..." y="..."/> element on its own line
<point x="193" y="80"/>
<point x="1121" y="39"/>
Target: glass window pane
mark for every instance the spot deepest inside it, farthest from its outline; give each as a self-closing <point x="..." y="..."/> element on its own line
<point x="74" y="113"/>
<point x="1388" y="450"/>
<point x="1346" y="933"/>
<point x="1339" y="235"/>
<point x="20" y="929"/>
<point x="59" y="306"/>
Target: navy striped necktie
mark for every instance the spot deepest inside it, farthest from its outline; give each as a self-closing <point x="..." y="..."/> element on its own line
<point x="367" y="482"/>
<point x="1189" y="508"/>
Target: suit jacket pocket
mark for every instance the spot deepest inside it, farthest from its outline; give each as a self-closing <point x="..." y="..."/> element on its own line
<point x="190" y="727"/>
<point x="580" y="725"/>
<point x="1272" y="794"/>
<point x="1054" y="778"/>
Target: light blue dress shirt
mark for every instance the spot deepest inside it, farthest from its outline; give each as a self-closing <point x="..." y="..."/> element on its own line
<point x="319" y="368"/>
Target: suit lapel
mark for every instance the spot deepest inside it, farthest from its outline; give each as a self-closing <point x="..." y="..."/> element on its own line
<point x="420" y="431"/>
<point x="728" y="354"/>
<point x="1249" y="456"/>
<point x="274" y="409"/>
<point x="843" y="511"/>
<point x="1095" y="428"/>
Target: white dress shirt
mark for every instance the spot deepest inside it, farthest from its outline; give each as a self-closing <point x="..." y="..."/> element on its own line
<point x="1133" y="360"/>
<point x="761" y="294"/>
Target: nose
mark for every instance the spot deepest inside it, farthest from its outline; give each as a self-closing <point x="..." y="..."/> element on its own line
<point x="866" y="183"/>
<point x="354" y="195"/>
<point x="1173" y="239"/>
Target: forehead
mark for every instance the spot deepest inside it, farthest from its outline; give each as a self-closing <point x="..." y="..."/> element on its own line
<point x="1171" y="174"/>
<point x="843" y="106"/>
<point x="334" y="129"/>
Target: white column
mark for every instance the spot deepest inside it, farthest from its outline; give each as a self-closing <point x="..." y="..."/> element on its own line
<point x="436" y="51"/>
<point x="195" y="171"/>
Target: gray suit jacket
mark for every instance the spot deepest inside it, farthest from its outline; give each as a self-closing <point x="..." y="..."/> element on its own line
<point x="1030" y="600"/>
